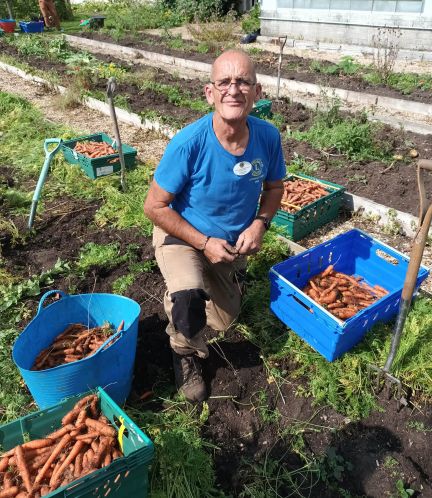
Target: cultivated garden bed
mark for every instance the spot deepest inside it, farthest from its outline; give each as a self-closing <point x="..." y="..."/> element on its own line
<point x="346" y="74"/>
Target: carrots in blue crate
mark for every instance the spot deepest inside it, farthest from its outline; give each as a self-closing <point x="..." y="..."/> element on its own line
<point x="342" y="295"/>
<point x="299" y="193"/>
<point x="23" y="473"/>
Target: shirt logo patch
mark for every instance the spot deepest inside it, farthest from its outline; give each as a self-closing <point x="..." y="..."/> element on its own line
<point x="242" y="168"/>
<point x="257" y="167"/>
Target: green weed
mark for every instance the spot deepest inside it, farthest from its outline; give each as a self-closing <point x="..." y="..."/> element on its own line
<point x="267" y="414"/>
<point x="404" y="491"/>
<point x="102" y="255"/>
<point x="272" y="477"/>
<point x="418" y="426"/>
<point x="300" y="164"/>
<point x="183" y="466"/>
<point x="346" y="65"/>
<point x="353" y="137"/>
<point x="121" y="285"/>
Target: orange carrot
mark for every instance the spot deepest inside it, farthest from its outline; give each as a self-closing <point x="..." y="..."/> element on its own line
<point x="61" y="432"/>
<point x="78" y="465"/>
<point x="55" y="479"/>
<point x="4" y="464"/>
<point x="116" y="454"/>
<point x="107" y="460"/>
<point x="10" y="492"/>
<point x="330" y="298"/>
<point x="7" y="480"/>
<point x="57" y="450"/>
<point x="102" y="428"/>
<point x="332" y="306"/>
<point x="70" y="416"/>
<point x="44" y="490"/>
<point x="85" y="401"/>
<point x="90" y="435"/>
<point x="22" y="468"/>
<point x="99" y="454"/>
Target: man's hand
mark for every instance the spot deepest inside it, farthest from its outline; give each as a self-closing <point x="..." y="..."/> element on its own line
<point x="250" y="240"/>
<point x="219" y="251"/>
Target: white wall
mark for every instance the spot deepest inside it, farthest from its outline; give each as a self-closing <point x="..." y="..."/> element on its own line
<point x="350" y="25"/>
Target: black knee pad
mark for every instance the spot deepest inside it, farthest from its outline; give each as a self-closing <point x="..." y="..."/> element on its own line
<point x="188" y="312"/>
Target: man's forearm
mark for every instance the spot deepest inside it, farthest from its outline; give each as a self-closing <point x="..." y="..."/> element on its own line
<point x="270" y="201"/>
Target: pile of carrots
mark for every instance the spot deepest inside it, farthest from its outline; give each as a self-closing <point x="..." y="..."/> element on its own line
<point x="341" y="294"/>
<point x="74" y="343"/>
<point x="85" y="442"/>
<point x="94" y="149"/>
<point x="300" y="193"/>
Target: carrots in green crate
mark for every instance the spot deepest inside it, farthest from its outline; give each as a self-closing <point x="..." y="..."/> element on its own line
<point x="342" y="295"/>
<point x="94" y="149"/>
<point x="84" y="444"/>
<point x="299" y="193"/>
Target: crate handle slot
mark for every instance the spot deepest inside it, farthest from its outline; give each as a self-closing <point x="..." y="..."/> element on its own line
<point x="118" y="423"/>
<point x="387" y="257"/>
<point x="303" y="304"/>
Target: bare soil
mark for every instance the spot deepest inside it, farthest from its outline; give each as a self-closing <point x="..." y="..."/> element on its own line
<point x="381" y="448"/>
<point x="393" y="185"/>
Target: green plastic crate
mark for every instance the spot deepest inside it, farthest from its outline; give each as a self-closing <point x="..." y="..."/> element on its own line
<point x="297" y="225"/>
<point x="125" y="477"/>
<point x="99" y="166"/>
<point x="262" y="109"/>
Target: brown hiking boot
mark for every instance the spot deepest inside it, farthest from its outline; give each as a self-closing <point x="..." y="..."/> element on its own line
<point x="189" y="381"/>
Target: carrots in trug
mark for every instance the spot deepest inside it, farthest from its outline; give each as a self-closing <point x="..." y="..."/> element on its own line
<point x="37" y="471"/>
<point x="75" y="343"/>
<point x="341" y="294"/>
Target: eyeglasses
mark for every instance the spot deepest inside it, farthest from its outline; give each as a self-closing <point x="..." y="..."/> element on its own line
<point x="225" y="84"/>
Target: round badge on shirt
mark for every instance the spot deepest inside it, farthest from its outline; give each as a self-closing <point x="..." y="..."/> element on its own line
<point x="242" y="168"/>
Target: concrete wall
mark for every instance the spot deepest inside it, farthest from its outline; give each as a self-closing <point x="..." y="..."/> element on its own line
<point x="349" y="26"/>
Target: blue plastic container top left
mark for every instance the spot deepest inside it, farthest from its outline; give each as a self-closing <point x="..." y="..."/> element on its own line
<point x="110" y="368"/>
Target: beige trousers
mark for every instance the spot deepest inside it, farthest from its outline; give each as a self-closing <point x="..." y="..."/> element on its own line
<point x="184" y="267"/>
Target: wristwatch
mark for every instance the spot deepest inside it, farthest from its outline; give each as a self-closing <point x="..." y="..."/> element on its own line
<point x="265" y="220"/>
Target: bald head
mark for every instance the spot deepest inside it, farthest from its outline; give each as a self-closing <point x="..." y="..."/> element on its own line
<point x="230" y="59"/>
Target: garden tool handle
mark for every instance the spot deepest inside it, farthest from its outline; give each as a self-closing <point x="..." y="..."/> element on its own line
<point x="50" y="141"/>
<point x="416" y="255"/>
<point x="43" y="174"/>
<point x="47" y="294"/>
<point x="427" y="165"/>
<point x="417" y="249"/>
<point x="111" y="86"/>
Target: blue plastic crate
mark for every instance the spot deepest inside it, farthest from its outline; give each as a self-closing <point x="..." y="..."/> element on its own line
<point x="32" y="26"/>
<point x="354" y="253"/>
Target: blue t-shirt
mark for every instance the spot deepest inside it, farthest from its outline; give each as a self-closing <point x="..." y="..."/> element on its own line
<point x="215" y="191"/>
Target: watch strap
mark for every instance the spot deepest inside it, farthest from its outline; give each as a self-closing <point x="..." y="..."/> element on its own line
<point x="265" y="220"/>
